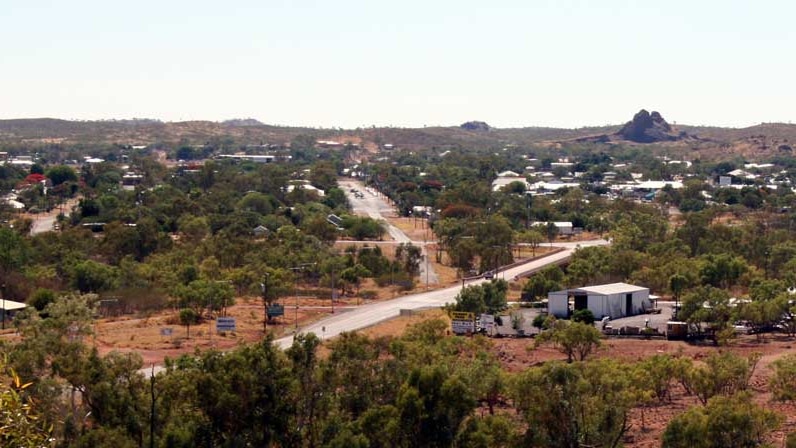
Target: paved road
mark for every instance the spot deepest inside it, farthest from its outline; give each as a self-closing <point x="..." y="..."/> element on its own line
<point x="374" y="206"/>
<point x="355" y="318"/>
<point x="44" y="222"/>
<point x="368" y="315"/>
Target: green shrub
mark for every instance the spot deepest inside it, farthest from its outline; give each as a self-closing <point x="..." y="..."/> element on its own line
<point x="584" y="316"/>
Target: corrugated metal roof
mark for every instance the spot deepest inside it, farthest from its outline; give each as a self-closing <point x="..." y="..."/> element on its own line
<point x="611" y="288"/>
<point x="11" y="305"/>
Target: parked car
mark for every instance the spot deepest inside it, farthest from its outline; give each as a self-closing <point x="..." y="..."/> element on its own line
<point x="743" y="328"/>
<point x="489" y="275"/>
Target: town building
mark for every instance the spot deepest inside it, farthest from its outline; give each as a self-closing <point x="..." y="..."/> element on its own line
<point x="613" y="300"/>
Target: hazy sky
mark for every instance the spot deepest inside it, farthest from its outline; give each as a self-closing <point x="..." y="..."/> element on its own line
<point x="356" y="63"/>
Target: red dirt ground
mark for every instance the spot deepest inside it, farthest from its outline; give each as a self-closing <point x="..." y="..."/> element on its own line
<point x="515" y="355"/>
<point x="142" y="335"/>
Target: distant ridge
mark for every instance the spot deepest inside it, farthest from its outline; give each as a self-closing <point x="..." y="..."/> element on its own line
<point x="754" y="142"/>
<point x="243" y="122"/>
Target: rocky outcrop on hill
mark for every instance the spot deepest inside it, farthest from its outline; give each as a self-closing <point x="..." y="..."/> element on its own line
<point x="648" y="127"/>
<point x="475" y="126"/>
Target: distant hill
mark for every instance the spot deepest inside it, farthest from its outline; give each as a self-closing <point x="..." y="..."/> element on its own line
<point x="253" y="131"/>
<point x="48" y="130"/>
<point x="475" y="126"/>
<point x="753" y="142"/>
<point x="243" y="122"/>
<point x="648" y="127"/>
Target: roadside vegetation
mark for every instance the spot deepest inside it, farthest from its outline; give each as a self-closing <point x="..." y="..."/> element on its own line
<point x="423" y="388"/>
<point x="191" y="237"/>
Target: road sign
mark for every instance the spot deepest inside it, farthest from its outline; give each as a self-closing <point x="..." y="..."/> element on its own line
<point x="462" y="315"/>
<point x="276" y="311"/>
<point x="462" y="322"/>
<point x="463" y="326"/>
<point x="225" y="324"/>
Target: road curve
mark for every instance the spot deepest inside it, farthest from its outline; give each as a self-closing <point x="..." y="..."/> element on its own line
<point x="371" y="314"/>
<point x="367" y="315"/>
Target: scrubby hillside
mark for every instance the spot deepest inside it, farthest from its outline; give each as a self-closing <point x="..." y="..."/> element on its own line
<point x="761" y="141"/>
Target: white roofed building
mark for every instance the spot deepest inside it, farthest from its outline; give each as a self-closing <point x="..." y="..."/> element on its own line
<point x="564" y="227"/>
<point x="501" y="182"/>
<point x="659" y="184"/>
<point x="304" y="185"/>
<point x="8" y="308"/>
<point x="613" y="300"/>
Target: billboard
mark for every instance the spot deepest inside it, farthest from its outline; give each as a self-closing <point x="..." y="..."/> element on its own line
<point x="462" y="322"/>
<point x="225" y="324"/>
<point x="276" y="311"/>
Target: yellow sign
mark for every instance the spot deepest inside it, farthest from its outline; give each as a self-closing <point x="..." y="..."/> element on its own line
<point x="462" y="315"/>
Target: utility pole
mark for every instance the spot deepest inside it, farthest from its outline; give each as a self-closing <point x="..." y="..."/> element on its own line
<point x="152" y="410"/>
<point x="426" y="257"/>
<point x="265" y="303"/>
<point x="529" y="200"/>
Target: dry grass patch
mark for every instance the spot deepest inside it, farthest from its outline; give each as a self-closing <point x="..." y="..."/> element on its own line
<point x="397" y="326"/>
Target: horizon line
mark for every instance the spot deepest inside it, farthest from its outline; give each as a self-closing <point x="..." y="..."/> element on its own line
<point x="377" y="126"/>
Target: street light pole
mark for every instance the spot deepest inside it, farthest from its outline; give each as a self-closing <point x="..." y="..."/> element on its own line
<point x="496" y="261"/>
<point x="295" y="295"/>
<point x="508" y="250"/>
<point x="295" y="287"/>
<point x="392" y="277"/>
<point x="3" y="292"/>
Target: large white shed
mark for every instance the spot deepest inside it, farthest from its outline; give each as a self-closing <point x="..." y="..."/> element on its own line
<point x="613" y="300"/>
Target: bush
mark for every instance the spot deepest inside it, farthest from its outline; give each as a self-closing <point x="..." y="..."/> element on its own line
<point x="790" y="442"/>
<point x="41" y="298"/>
<point x="724" y="421"/>
<point x="574" y="339"/>
<point x="400" y="279"/>
<point x="583" y="316"/>
<point x="368" y="294"/>
<point x="783" y="382"/>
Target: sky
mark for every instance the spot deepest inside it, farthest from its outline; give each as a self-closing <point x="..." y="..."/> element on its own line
<point x="408" y="63"/>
